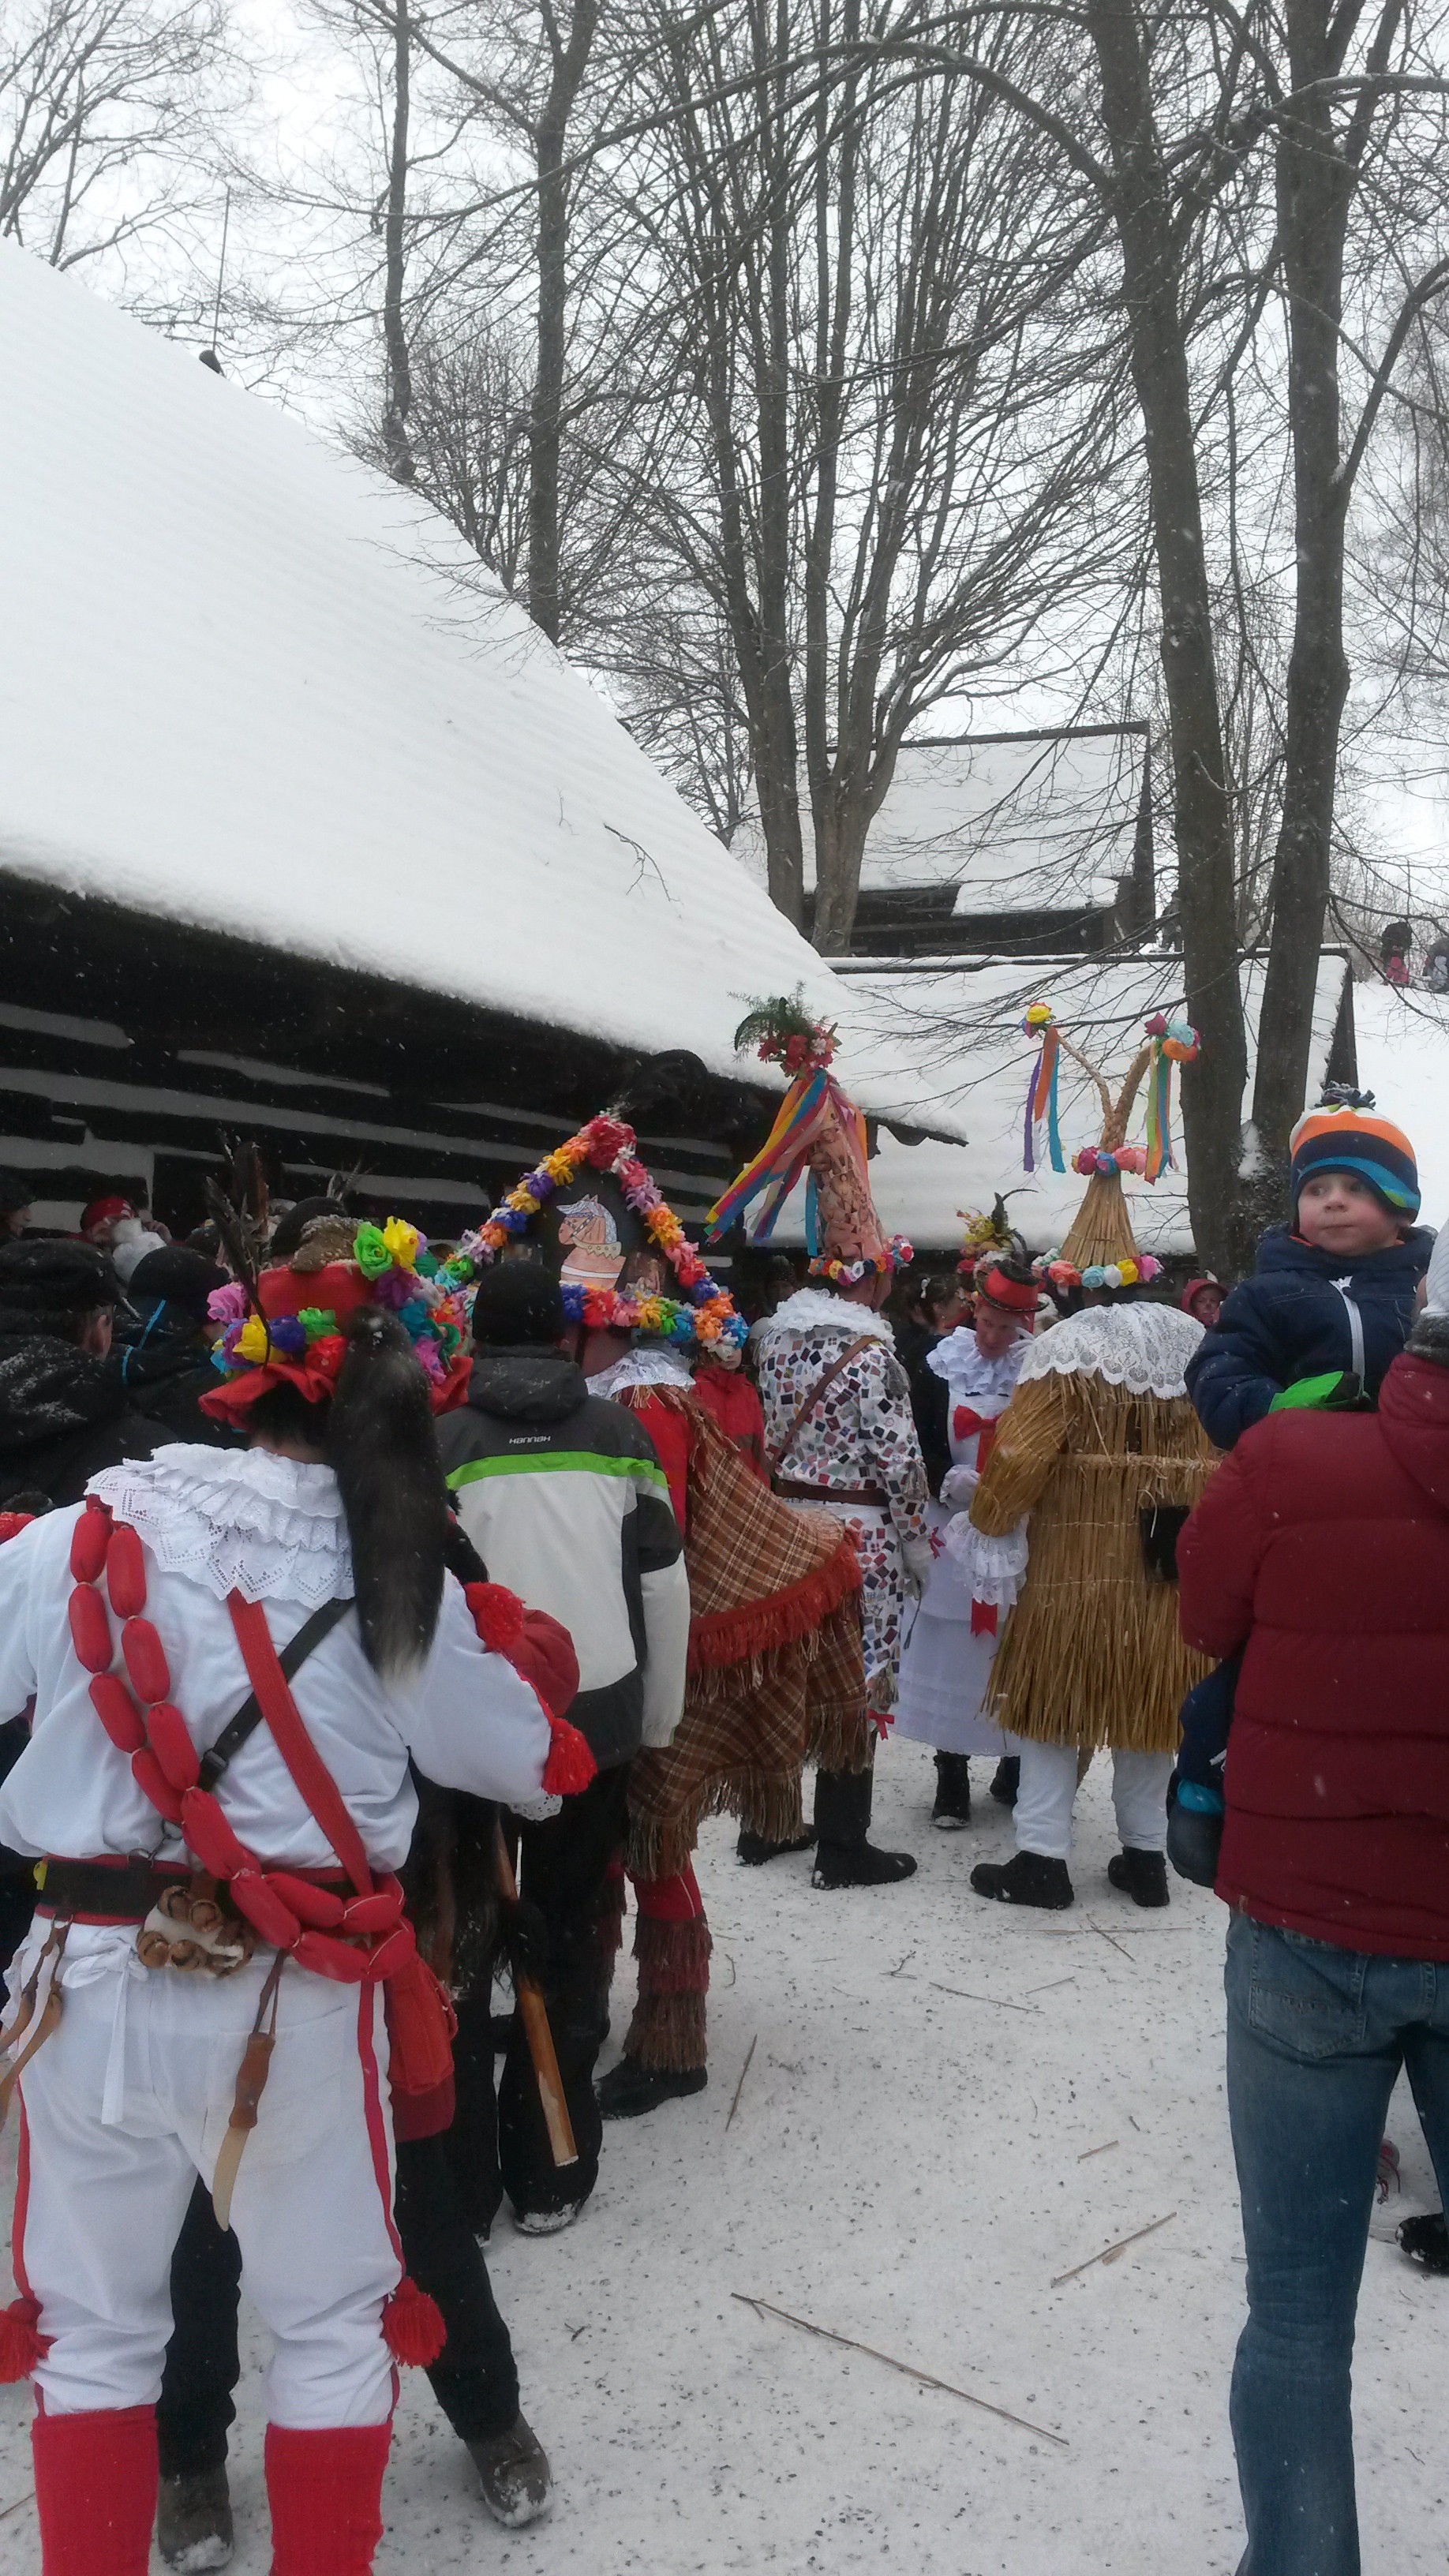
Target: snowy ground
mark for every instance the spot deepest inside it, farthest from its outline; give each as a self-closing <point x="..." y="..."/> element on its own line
<point x="911" y="2167"/>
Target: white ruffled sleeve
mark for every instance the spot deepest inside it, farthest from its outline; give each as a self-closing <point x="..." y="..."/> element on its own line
<point x="993" y="1568"/>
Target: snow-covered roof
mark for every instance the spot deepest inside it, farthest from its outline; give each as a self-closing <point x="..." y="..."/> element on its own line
<point x="248" y="684"/>
<point x="1403" y="1059"/>
<point x="1020" y="822"/>
<point x="963" y="1025"/>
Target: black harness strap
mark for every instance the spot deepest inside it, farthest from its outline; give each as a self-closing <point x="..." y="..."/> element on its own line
<point x="249" y="1717"/>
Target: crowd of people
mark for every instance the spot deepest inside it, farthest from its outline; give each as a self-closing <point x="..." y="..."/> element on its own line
<point x="375" y="1613"/>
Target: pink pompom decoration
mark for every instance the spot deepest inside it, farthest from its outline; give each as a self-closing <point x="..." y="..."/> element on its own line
<point x="227" y="1305"/>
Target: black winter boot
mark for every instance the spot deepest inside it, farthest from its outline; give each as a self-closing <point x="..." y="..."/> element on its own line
<point x="1029" y="1879"/>
<point x="1142" y="1875"/>
<point x="754" y="1849"/>
<point x="1426" y="2241"/>
<point x="952" y="1809"/>
<point x="630" y="2089"/>
<point x="1006" y="1778"/>
<point x="193" y="2522"/>
<point x="842" y="1819"/>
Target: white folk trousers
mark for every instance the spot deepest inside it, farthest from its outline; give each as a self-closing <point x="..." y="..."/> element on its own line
<point x="1048" y="1790"/>
<point x="128" y="2101"/>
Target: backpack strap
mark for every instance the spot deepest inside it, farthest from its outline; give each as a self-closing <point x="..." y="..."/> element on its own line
<point x="310" y="1776"/>
<point x="249" y="1716"/>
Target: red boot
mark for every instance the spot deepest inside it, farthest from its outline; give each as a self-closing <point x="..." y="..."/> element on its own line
<point x="95" y="2491"/>
<point x="325" y="2491"/>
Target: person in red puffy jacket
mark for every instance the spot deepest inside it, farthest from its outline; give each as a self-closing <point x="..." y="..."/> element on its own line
<point x="1321" y="1551"/>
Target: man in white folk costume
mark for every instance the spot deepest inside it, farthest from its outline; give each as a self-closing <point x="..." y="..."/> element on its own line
<point x="950" y="1642"/>
<point x="217" y="1938"/>
<point x="838" y="1425"/>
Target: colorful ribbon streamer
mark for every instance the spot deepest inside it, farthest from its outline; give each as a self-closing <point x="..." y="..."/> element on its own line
<point x="1159" y="1114"/>
<point x="811" y="1099"/>
<point x="1041" y="1104"/>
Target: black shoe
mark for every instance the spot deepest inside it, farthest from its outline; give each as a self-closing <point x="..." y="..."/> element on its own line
<point x="752" y="1849"/>
<point x="1140" y="1875"/>
<point x="860" y="1865"/>
<point x="1030" y="1879"/>
<point x="1006" y="1779"/>
<point x="952" y="1809"/>
<point x="514" y="2474"/>
<point x="1426" y="2241"/>
<point x="630" y="2089"/>
<point x="193" y="2521"/>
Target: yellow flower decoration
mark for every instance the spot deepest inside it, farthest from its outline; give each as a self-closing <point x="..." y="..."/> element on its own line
<point x="524" y="1201"/>
<point x="402" y="1241"/>
<point x="251" y="1342"/>
<point x="560" y="1166"/>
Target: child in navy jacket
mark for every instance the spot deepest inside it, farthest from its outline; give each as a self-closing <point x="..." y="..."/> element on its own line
<point x="1331" y="1300"/>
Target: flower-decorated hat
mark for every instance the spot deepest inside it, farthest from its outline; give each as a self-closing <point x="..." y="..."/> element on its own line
<point x="291" y="1331"/>
<point x="586" y="1208"/>
<point x="819" y="1132"/>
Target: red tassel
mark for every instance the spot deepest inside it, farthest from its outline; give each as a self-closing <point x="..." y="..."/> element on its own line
<point x="497" y="1615"/>
<point x="22" y="2344"/>
<point x="12" y="1523"/>
<point x="570" y="1765"/>
<point x="983" y="1618"/>
<point x="412" y="2326"/>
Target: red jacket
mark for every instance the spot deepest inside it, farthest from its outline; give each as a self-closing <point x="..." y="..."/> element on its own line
<point x="1322" y="1548"/>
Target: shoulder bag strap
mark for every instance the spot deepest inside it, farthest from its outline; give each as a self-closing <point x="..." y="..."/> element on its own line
<point x="249" y="1716"/>
<point x="776" y="1457"/>
<point x="311" y="1778"/>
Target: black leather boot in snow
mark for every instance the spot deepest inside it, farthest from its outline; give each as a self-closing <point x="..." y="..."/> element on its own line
<point x="629" y="2089"/>
<point x="843" y="1857"/>
<point x="1426" y="2241"/>
<point x="1006" y="1778"/>
<point x="1030" y="1879"/>
<point x="755" y="1849"/>
<point x="1141" y="1875"/>
<point x="952" y="1809"/>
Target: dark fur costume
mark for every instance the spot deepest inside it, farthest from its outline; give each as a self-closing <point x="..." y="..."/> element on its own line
<point x="380" y="1446"/>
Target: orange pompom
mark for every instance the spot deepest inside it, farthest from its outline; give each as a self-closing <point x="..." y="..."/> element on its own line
<point x="570" y="1765"/>
<point x="412" y="2326"/>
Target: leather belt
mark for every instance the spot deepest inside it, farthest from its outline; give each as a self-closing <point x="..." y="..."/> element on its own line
<point x="795" y="1491"/>
<point x="125" y="1891"/>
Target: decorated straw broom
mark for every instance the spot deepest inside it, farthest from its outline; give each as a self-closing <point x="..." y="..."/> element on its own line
<point x="1101" y="1236"/>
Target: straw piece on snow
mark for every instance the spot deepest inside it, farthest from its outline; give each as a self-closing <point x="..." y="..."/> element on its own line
<point x="908" y="2368"/>
<point x="967" y="1997"/>
<point x="1108" y="2251"/>
<point x="1098" y="2151"/>
<point x="744" y="2070"/>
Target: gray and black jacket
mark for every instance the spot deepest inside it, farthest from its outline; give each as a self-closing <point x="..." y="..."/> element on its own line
<point x="563" y="1496"/>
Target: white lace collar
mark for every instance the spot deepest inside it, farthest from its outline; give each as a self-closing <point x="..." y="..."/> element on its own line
<point x="1144" y="1348"/>
<point x="649" y="1366"/>
<point x="819" y="1310"/>
<point x="959" y="1359"/>
<point x="238" y="1520"/>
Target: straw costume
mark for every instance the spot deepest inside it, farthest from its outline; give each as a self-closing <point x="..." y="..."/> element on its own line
<point x="1096" y="1461"/>
<point x="216" y="2005"/>
<point x="838" y="1421"/>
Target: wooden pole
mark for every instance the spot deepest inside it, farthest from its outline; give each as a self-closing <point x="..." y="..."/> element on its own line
<point x="536" y="2031"/>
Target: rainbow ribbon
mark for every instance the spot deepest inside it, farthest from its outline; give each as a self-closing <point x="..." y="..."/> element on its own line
<point x="1041" y="1104"/>
<point x="807" y="1105"/>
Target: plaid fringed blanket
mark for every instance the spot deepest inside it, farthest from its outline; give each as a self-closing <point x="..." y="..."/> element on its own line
<point x="776" y="1677"/>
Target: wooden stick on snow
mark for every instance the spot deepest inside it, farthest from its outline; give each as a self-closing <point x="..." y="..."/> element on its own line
<point x="763" y="2307"/>
<point x="1109" y="2250"/>
<point x="744" y="2070"/>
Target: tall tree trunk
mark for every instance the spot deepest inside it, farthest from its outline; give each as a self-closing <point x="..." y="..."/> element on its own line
<point x="1212" y="1091"/>
<point x="1315" y="188"/>
<point x="398" y="398"/>
<point x="570" y="62"/>
<point x="778" y="746"/>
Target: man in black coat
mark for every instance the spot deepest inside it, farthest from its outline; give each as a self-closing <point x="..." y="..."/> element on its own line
<point x="64" y="1412"/>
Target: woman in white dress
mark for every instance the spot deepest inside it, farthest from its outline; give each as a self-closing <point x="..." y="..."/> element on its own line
<point x="946" y="1661"/>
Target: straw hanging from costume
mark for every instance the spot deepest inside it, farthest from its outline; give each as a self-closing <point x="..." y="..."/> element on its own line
<point x="1041" y="1094"/>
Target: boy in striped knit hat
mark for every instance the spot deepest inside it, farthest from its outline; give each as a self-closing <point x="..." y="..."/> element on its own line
<point x="1331" y="1299"/>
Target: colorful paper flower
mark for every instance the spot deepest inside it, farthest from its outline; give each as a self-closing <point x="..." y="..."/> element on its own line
<point x="251" y="1343"/>
<point x="227" y="1305"/>
<point x="370" y="1251"/>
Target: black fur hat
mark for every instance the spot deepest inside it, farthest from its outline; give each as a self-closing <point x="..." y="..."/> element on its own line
<point x="49" y="1285"/>
<point x="380" y="1443"/>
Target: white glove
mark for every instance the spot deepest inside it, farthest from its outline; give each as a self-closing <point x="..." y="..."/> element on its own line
<point x="957" y="1487"/>
<point x="918" y="1558"/>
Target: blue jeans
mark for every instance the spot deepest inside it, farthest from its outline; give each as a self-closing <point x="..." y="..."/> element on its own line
<point x="1316" y="2038"/>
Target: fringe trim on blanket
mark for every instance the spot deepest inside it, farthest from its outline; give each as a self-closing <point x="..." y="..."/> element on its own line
<point x="667" y="2034"/>
<point x="757" y="1628"/>
<point x="763" y="1801"/>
